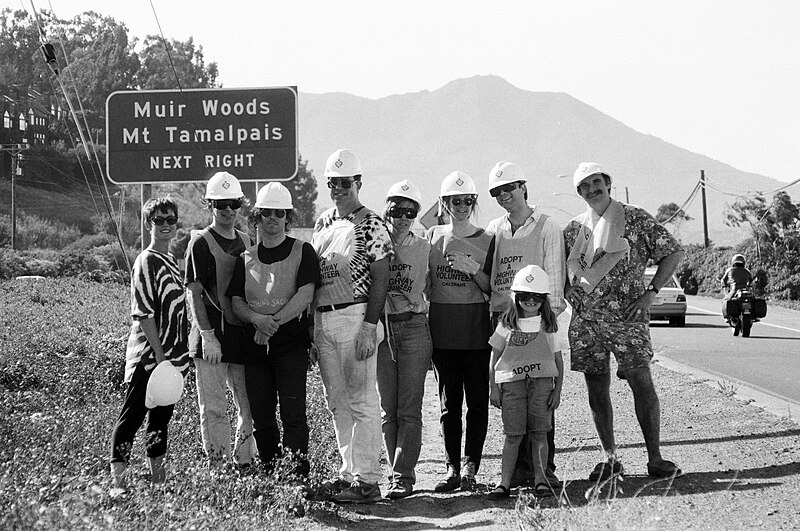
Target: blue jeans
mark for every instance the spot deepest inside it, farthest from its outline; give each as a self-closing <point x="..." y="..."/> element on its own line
<point x="281" y="376"/>
<point x="351" y="392"/>
<point x="403" y="361"/>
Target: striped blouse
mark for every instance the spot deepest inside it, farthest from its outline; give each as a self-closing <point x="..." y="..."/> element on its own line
<point x="157" y="292"/>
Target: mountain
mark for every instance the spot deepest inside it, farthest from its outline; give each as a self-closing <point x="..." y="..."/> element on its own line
<point x="470" y="124"/>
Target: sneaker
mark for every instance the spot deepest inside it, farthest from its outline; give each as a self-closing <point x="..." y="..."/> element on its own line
<point x="451" y="481"/>
<point x="359" y="492"/>
<point x="468" y="482"/>
<point x="331" y="488"/>
<point x="399" y="489"/>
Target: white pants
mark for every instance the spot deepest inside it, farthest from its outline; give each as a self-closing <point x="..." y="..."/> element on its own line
<point x="215" y="427"/>
<point x="350" y="391"/>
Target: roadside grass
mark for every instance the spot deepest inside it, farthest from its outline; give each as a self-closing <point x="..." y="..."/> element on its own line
<point x="61" y="367"/>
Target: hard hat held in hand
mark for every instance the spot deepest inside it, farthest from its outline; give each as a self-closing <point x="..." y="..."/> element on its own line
<point x="342" y="163"/>
<point x="274" y="195"/>
<point x="165" y="386"/>
<point x="457" y="183"/>
<point x="532" y="279"/>
<point x="405" y="189"/>
<point x="505" y="172"/>
<point x="223" y="185"/>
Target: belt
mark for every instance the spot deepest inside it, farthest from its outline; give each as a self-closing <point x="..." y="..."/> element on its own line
<point x="404" y="316"/>
<point x="331" y="307"/>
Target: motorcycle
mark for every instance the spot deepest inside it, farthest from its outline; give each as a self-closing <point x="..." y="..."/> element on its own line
<point x="744" y="309"/>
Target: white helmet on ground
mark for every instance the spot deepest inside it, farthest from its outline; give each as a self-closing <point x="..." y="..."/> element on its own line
<point x="274" y="195"/>
<point x="223" y="185"/>
<point x="405" y="189"/>
<point x="165" y="386"/>
<point x="457" y="183"/>
<point x="342" y="163"/>
<point x="587" y="169"/>
<point x="505" y="172"/>
<point x="532" y="279"/>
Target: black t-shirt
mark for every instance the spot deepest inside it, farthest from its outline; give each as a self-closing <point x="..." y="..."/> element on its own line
<point x="293" y="334"/>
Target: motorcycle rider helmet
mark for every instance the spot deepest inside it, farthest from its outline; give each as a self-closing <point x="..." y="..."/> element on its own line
<point x="738" y="259"/>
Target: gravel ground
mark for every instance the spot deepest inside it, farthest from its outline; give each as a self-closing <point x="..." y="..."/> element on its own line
<point x="741" y="465"/>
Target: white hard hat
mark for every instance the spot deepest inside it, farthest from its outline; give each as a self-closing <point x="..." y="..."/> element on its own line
<point x="342" y="163"/>
<point x="165" y="386"/>
<point x="587" y="169"/>
<point x="407" y="190"/>
<point x="274" y="195"/>
<point x="223" y="185"/>
<point x="457" y="183"/>
<point x="505" y="172"/>
<point x="531" y="278"/>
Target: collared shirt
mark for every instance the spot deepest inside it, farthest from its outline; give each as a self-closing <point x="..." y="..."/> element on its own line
<point x="554" y="257"/>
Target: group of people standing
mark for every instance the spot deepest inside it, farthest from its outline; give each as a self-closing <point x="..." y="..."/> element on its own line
<point x="375" y="304"/>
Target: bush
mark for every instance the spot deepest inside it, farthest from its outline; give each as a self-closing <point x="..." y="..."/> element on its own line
<point x="34" y="232"/>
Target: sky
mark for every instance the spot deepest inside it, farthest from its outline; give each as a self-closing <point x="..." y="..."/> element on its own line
<point x="716" y="77"/>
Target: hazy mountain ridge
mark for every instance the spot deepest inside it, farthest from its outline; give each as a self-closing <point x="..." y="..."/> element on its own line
<point x="470" y="124"/>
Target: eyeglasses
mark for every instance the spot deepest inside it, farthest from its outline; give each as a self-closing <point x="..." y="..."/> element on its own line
<point x="268" y="212"/>
<point x="397" y="212"/>
<point x="506" y="188"/>
<point x="222" y="204"/>
<point x="526" y="296"/>
<point x="340" y="183"/>
<point x="468" y="201"/>
<point x="169" y="220"/>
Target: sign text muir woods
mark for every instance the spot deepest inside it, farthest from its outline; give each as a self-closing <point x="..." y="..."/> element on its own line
<point x="172" y="136"/>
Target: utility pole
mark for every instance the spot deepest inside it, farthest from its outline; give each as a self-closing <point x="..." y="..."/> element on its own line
<point x="17" y="164"/>
<point x="705" y="212"/>
<point x="627" y="197"/>
<point x="146" y="193"/>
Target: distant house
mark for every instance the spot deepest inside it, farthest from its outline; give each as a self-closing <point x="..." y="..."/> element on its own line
<point x="27" y="119"/>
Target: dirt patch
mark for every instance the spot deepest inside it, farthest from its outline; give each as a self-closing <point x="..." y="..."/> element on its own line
<point x="741" y="464"/>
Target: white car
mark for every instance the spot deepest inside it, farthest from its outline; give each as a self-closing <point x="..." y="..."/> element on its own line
<point x="670" y="302"/>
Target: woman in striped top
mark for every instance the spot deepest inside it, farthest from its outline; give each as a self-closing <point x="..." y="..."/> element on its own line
<point x="158" y="333"/>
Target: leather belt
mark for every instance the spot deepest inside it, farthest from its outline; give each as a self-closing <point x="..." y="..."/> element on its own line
<point x="331" y="307"/>
<point x="404" y="316"/>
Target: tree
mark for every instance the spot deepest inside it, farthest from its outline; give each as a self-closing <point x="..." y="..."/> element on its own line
<point x="304" y="194"/>
<point x="672" y="213"/>
<point x="156" y="70"/>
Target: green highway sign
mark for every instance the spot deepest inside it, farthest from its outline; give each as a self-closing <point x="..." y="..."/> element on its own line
<point x="161" y="136"/>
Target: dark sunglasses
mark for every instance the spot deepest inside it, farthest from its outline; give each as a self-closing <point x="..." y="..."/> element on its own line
<point x="169" y="220"/>
<point x="342" y="183"/>
<point x="398" y="212"/>
<point x="222" y="204"/>
<point x="525" y="296"/>
<point x="268" y="212"/>
<point x="467" y="201"/>
<point x="506" y="188"/>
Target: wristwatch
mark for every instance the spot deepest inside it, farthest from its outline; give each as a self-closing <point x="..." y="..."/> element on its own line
<point x="652" y="288"/>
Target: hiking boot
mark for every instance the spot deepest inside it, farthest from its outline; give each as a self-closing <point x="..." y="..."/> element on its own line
<point x="399" y="489"/>
<point x="359" y="492"/>
<point x="451" y="481"/>
<point x="331" y="488"/>
<point x="468" y="482"/>
<point x="606" y="469"/>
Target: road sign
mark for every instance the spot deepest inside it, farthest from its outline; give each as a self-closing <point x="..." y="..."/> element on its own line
<point x="159" y="136"/>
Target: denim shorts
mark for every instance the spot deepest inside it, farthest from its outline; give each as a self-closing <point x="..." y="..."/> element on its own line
<point x="524" y="405"/>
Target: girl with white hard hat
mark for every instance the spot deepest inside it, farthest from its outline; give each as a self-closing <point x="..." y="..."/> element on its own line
<point x="404" y="356"/>
<point x="460" y="328"/>
<point x="272" y="286"/>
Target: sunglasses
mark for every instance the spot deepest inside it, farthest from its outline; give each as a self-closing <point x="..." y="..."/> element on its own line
<point x="398" y="212"/>
<point x="269" y="212"/>
<point x="340" y="183"/>
<point x="506" y="188"/>
<point x="526" y="296"/>
<point x="169" y="220"/>
<point x="468" y="201"/>
<point x="222" y="204"/>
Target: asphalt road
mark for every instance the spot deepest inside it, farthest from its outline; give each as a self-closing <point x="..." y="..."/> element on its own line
<point x="768" y="361"/>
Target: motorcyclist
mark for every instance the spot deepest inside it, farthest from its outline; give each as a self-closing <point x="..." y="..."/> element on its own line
<point x="736" y="277"/>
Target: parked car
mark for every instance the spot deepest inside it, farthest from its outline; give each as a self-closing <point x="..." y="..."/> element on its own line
<point x="670" y="302"/>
